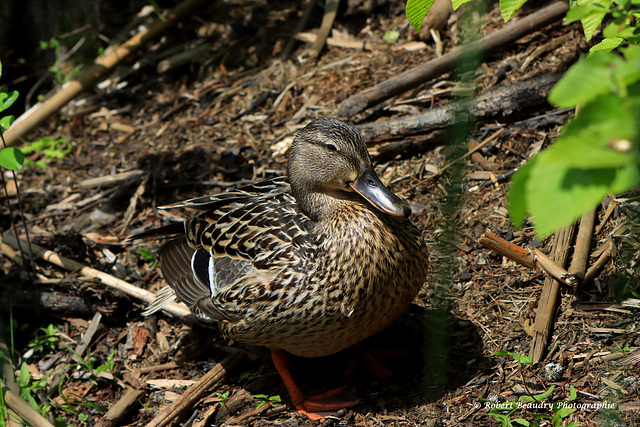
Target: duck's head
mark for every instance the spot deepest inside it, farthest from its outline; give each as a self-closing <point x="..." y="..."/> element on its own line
<point x="329" y="164"/>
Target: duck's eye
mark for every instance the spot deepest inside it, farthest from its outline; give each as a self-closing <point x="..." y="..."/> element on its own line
<point x="331" y="147"/>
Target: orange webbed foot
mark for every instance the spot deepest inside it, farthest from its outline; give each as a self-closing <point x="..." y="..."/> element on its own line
<point x="315" y="407"/>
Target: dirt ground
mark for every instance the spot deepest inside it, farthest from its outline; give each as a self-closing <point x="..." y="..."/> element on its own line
<point x="225" y="119"/>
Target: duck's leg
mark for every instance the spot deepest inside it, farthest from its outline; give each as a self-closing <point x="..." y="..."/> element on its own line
<point x="311" y="406"/>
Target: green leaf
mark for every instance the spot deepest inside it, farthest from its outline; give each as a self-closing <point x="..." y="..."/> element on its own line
<point x="538" y="397"/>
<point x="517" y="192"/>
<point x="416" y="11"/>
<point x="6" y="122"/>
<point x="624" y="30"/>
<point x="573" y="394"/>
<point x="7" y="98"/>
<point x="591" y="22"/>
<point x="11" y="158"/>
<point x="584" y="81"/>
<point x="597" y="154"/>
<point x="521" y="421"/>
<point x="509" y="7"/>
<point x="608" y="44"/>
<point x="457" y="3"/>
<point x="560" y="415"/>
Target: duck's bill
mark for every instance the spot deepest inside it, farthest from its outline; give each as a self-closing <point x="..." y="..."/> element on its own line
<point x="369" y="186"/>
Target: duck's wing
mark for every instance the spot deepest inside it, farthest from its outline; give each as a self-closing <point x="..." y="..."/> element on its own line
<point x="239" y="236"/>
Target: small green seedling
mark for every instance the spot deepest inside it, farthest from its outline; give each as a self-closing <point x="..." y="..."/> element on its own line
<point x="148" y="256"/>
<point x="263" y="398"/>
<point x="48" y="341"/>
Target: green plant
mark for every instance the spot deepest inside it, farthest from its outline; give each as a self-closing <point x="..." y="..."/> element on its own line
<point x="49" y="340"/>
<point x="47" y="149"/>
<point x="10" y="157"/>
<point x="148" y="256"/>
<point x="88" y="364"/>
<point x="223" y="396"/>
<point x="556" y="411"/>
<point x="263" y="398"/>
<point x="29" y="386"/>
<point x="598" y="152"/>
<point x="109" y="365"/>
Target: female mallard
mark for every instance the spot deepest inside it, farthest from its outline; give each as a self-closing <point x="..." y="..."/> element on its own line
<point x="310" y="266"/>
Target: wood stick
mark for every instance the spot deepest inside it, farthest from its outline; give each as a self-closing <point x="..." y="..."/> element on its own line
<point x="446" y="63"/>
<point x="345" y="44"/>
<point x="545" y="314"/>
<point x="330" y="12"/>
<point x="600" y="263"/>
<point x="87" y="337"/>
<point x="100" y="68"/>
<point x="196" y="54"/>
<point x="554" y="270"/>
<point x="610" y="208"/>
<point x="193" y="393"/>
<point x="502" y="101"/>
<point x="111" y="180"/>
<point x="22" y="408"/>
<point x="107" y="279"/>
<point x="505" y="248"/>
<point x="583" y="244"/>
<point x="306" y="14"/>
<point x="121" y="408"/>
<point x="533" y="261"/>
<point x="156" y="368"/>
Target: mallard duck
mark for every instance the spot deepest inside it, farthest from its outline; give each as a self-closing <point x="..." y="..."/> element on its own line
<point x="310" y="265"/>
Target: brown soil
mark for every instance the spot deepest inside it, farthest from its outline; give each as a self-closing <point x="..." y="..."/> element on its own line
<point x="226" y="120"/>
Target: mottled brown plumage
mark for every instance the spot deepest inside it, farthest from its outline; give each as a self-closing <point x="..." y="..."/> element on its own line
<point x="311" y="267"/>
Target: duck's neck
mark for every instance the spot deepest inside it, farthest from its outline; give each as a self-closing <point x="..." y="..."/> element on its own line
<point x="319" y="206"/>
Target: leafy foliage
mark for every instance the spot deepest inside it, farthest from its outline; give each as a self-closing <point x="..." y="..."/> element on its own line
<point x="10" y="158"/>
<point x="597" y="152"/>
<point x="417" y="10"/>
<point x="555" y="411"/>
<point x="46" y="150"/>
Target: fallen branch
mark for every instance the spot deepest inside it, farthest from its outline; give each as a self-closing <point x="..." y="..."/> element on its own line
<point x="502" y="101"/>
<point x="446" y="63"/>
<point x="107" y="279"/>
<point x="507" y="249"/>
<point x="193" y="393"/>
<point x="100" y="68"/>
<point x="530" y="259"/>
